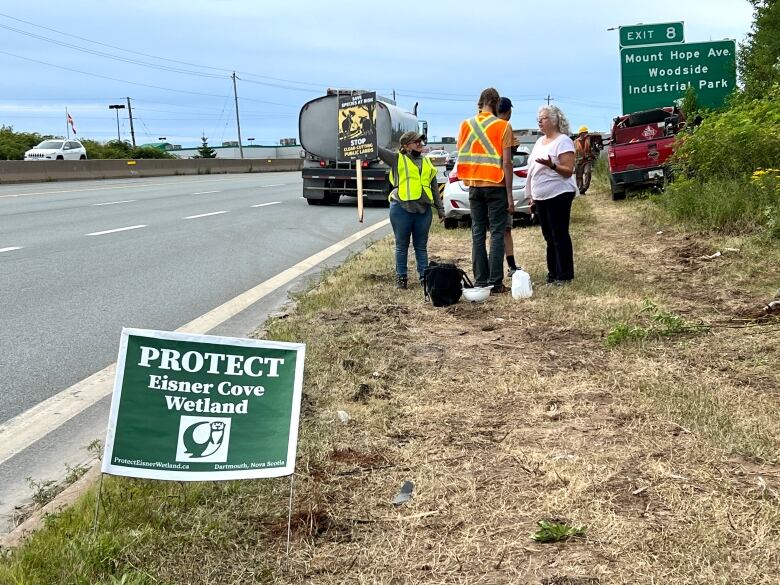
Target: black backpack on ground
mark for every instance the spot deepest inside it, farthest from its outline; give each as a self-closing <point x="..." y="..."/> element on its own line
<point x="443" y="284"/>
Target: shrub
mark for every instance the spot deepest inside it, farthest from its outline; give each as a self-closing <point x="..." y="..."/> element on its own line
<point x="734" y="142"/>
<point x="735" y="205"/>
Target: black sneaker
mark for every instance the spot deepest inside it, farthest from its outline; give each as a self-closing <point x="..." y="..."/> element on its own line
<point x="499" y="289"/>
<point x="401" y="282"/>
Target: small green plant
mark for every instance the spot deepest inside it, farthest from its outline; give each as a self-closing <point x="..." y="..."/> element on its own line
<point x="74" y="473"/>
<point x="43" y="491"/>
<point x="662" y="324"/>
<point x="553" y="531"/>
<point x="96" y="448"/>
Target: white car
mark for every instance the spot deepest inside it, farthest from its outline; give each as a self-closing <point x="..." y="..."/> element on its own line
<point x="437" y="157"/>
<point x="57" y="149"/>
<point x="456" y="195"/>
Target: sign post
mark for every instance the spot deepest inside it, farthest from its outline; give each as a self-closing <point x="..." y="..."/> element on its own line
<point x="658" y="75"/>
<point x="357" y="135"/>
<point x="192" y="407"/>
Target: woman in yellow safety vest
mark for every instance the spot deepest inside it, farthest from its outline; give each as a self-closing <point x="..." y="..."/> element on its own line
<point x="415" y="192"/>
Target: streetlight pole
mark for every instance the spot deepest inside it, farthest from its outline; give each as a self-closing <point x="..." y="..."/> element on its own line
<point x="117" y="107"/>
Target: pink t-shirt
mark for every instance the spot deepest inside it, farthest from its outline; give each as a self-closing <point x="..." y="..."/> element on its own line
<point x="545" y="182"/>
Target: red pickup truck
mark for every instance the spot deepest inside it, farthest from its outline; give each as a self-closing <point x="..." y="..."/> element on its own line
<point x="639" y="147"/>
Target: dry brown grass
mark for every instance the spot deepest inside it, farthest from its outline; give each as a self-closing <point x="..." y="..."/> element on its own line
<point x="510" y="412"/>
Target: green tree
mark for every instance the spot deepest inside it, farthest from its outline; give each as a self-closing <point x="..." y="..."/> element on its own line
<point x="205" y="151"/>
<point x="14" y="144"/>
<point x="759" y="57"/>
<point x="690" y="104"/>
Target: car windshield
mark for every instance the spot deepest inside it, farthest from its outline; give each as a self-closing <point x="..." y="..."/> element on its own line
<point x="51" y="144"/>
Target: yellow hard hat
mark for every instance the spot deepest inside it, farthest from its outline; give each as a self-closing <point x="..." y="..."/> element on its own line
<point x="583" y="129"/>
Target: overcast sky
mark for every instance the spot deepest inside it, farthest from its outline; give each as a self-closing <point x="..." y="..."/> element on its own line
<point x="174" y="58"/>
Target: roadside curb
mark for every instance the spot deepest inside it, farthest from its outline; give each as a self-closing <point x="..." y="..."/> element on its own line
<point x="63" y="500"/>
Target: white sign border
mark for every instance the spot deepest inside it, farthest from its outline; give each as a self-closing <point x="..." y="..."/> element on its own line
<point x="167" y="475"/>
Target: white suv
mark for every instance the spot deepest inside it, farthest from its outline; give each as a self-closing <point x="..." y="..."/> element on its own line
<point x="57" y="149"/>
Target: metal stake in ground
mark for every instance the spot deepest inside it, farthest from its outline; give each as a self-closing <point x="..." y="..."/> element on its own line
<point x="289" y="521"/>
<point x="97" y="505"/>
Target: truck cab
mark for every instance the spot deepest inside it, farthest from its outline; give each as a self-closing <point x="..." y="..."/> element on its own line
<point x="640" y="146"/>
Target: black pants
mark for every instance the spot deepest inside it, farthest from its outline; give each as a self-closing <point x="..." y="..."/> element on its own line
<point x="554" y="215"/>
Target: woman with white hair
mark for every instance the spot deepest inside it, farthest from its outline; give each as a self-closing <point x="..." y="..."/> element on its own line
<point x="551" y="188"/>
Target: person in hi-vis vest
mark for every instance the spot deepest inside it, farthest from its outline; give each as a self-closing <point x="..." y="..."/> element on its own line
<point x="485" y="166"/>
<point x="415" y="192"/>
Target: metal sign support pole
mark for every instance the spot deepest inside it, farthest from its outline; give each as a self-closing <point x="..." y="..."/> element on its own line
<point x="289" y="519"/>
<point x="97" y="505"/>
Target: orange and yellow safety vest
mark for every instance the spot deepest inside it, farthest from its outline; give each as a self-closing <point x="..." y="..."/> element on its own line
<point x="480" y="148"/>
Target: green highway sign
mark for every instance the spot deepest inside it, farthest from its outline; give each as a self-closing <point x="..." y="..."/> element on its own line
<point x="657" y="76"/>
<point x="198" y="407"/>
<point x="651" y="34"/>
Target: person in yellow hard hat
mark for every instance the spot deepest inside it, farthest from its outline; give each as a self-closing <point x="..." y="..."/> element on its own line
<point x="585" y="155"/>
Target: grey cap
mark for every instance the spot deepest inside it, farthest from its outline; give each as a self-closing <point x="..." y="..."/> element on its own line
<point x="410" y="136"/>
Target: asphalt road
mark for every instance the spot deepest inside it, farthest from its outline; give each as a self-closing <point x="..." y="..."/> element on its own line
<point x="80" y="260"/>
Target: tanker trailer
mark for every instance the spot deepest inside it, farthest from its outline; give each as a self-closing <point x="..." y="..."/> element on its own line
<point x="325" y="177"/>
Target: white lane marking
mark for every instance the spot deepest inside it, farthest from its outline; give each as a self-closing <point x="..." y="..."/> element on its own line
<point x="134" y="186"/>
<point x="26" y="428"/>
<point x="276" y="185"/>
<point x="122" y="229"/>
<point x="113" y="202"/>
<point x="264" y="204"/>
<point x="205" y="192"/>
<point x="10" y="248"/>
<point x="205" y="214"/>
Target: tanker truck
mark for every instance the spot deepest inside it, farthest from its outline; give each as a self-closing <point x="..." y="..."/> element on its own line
<point x="325" y="177"/>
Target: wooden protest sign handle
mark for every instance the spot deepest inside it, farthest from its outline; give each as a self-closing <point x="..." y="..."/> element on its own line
<point x="359" y="169"/>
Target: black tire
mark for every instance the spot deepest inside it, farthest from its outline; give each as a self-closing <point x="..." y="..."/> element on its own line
<point x="618" y="193"/>
<point x="60" y="158"/>
<point x="82" y="157"/>
<point x="331" y="199"/>
<point x="450" y="223"/>
<point x="314" y="201"/>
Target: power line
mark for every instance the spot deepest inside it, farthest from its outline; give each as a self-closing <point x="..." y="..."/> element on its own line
<point x="110" y="56"/>
<point x="135" y="82"/>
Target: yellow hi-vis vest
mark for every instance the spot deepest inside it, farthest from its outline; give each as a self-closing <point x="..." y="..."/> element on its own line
<point x="410" y="181"/>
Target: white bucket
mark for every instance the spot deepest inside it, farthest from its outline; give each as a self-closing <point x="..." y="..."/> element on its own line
<point x="521" y="285"/>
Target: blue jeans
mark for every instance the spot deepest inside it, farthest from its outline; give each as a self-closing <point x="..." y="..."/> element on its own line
<point x="488" y="211"/>
<point x="410" y="225"/>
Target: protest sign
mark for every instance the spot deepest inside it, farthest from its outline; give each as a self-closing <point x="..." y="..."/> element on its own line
<point x="192" y="407"/>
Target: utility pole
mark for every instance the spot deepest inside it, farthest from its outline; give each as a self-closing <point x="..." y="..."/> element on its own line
<point x="549" y="98"/>
<point x="238" y="120"/>
<point x="130" y="112"/>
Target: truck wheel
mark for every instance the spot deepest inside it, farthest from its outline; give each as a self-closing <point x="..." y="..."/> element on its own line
<point x="450" y="223"/>
<point x="618" y="193"/>
<point x="314" y="201"/>
<point x="331" y="199"/>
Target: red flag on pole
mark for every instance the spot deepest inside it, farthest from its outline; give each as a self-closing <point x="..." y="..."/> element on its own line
<point x="72" y="125"/>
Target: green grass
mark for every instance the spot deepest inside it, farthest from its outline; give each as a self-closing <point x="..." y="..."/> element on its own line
<point x="730" y="206"/>
<point x="658" y="324"/>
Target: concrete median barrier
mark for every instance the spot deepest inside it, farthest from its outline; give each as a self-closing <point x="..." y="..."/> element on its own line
<point x="18" y="171"/>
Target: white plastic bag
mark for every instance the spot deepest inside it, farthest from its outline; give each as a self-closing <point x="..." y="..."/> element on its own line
<point x="521" y="285"/>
